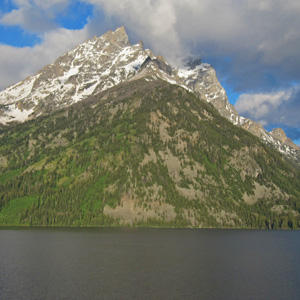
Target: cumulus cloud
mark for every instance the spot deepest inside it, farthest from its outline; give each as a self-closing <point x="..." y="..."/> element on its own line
<point x="33" y="20"/>
<point x="281" y="108"/>
<point x="152" y="21"/>
<point x="35" y="16"/>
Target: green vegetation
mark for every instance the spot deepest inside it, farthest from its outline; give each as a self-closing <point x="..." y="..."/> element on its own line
<point x="143" y="154"/>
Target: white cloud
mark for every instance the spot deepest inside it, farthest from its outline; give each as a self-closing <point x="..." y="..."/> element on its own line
<point x="152" y="21"/>
<point x="35" y="16"/>
<point x="33" y="20"/>
<point x="281" y="107"/>
<point x="254" y="102"/>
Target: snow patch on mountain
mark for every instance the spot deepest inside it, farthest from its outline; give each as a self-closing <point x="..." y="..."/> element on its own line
<point x="18" y="91"/>
<point x="14" y="113"/>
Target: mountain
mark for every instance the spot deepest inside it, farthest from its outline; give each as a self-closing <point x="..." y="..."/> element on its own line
<point x="101" y="63"/>
<point x="116" y="136"/>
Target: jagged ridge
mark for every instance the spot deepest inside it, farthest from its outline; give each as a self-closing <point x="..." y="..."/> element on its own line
<point x="101" y="63"/>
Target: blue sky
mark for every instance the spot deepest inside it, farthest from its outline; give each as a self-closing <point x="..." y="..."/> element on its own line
<point x="254" y="45"/>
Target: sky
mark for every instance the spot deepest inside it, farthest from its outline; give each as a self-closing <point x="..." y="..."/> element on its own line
<point x="254" y="45"/>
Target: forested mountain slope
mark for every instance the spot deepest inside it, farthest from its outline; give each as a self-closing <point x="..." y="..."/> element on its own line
<point x="143" y="153"/>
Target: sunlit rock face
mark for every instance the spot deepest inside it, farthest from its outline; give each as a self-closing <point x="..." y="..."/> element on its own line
<point x="281" y="136"/>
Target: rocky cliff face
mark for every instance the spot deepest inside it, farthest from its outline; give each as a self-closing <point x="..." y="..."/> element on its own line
<point x="203" y="81"/>
<point x="279" y="134"/>
<point x="101" y="63"/>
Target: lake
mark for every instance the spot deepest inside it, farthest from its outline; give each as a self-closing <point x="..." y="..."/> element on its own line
<point x="116" y="263"/>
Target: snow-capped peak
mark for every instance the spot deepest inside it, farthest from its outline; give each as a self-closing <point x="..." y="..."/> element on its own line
<point x="103" y="62"/>
<point x="93" y="66"/>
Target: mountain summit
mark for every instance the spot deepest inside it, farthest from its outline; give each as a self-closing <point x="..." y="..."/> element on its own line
<point x="93" y="66"/>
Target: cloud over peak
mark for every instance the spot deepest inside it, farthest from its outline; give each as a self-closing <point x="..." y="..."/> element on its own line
<point x="259" y="37"/>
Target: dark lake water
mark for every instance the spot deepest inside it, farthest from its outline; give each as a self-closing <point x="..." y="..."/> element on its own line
<point x="149" y="264"/>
